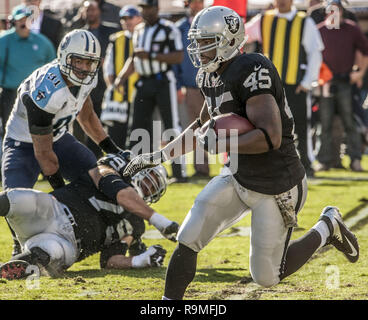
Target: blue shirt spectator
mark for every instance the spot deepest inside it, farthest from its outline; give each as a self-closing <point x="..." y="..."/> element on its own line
<point x="187" y="78"/>
<point x="21" y="52"/>
<point x="19" y="57"/>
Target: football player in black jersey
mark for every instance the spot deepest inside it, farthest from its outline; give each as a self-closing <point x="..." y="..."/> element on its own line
<point x="269" y="179"/>
<point x="98" y="212"/>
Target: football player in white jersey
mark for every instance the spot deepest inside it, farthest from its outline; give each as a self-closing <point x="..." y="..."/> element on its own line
<point x="48" y="102"/>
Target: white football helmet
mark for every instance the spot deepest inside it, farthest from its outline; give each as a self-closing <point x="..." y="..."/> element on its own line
<point x="225" y="27"/>
<point x="151" y="183"/>
<point x="79" y="44"/>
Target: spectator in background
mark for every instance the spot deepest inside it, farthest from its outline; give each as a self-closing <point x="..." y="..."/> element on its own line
<point x="109" y="15"/>
<point x="188" y="92"/>
<point x="3" y="24"/>
<point x="21" y="52"/>
<point x="157" y="45"/>
<point x="317" y="11"/>
<point x="337" y="93"/>
<point x="44" y="23"/>
<point x="117" y="106"/>
<point x="291" y="40"/>
<point x="102" y="32"/>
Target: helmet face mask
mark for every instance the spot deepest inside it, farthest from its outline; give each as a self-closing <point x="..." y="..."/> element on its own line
<point x="79" y="56"/>
<point x="72" y="70"/>
<point x="151" y="183"/>
<point x="225" y="27"/>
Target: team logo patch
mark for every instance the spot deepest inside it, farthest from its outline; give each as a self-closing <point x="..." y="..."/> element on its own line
<point x="65" y="43"/>
<point x="40" y="95"/>
<point x="200" y="78"/>
<point x="233" y="23"/>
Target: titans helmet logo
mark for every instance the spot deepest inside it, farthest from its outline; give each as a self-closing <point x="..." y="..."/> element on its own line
<point x="65" y="43"/>
<point x="233" y="23"/>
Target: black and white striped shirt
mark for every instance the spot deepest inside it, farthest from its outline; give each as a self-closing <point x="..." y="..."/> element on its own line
<point x="163" y="37"/>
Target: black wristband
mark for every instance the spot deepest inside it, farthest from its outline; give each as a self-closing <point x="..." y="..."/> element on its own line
<point x="268" y="139"/>
<point x="108" y="145"/>
<point x="110" y="185"/>
<point x="56" y="180"/>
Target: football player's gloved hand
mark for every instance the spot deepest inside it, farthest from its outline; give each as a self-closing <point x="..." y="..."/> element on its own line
<point x="208" y="139"/>
<point x="157" y="255"/>
<point x="144" y="161"/>
<point x="171" y="231"/>
<point x="108" y="146"/>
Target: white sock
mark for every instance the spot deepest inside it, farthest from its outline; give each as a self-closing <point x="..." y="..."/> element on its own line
<point x="322" y="228"/>
<point x="159" y="221"/>
<point x="164" y="298"/>
<point x="141" y="261"/>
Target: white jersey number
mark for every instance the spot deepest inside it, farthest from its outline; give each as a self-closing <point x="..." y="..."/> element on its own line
<point x="260" y="78"/>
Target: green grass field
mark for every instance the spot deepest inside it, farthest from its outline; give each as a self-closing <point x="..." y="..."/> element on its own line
<point x="223" y="266"/>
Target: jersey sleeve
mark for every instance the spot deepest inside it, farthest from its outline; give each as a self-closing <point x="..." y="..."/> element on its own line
<point x="258" y="78"/>
<point x="48" y="91"/>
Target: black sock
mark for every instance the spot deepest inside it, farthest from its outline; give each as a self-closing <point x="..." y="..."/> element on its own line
<point x="180" y="272"/>
<point x="299" y="252"/>
<point x="34" y="256"/>
<point x="4" y="204"/>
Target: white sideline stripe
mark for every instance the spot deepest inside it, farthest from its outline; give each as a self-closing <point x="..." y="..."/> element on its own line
<point x="362" y="214"/>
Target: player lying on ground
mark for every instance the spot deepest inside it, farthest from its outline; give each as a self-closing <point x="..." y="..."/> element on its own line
<point x="98" y="212"/>
<point x="269" y="181"/>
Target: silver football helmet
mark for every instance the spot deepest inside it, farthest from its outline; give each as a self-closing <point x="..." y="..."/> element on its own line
<point x="225" y="27"/>
<point x="151" y="183"/>
<point x="79" y="44"/>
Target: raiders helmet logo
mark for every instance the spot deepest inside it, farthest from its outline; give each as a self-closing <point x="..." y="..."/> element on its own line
<point x="200" y="78"/>
<point x="233" y="23"/>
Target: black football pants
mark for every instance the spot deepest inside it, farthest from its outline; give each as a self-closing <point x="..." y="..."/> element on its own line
<point x="152" y="92"/>
<point x="301" y="111"/>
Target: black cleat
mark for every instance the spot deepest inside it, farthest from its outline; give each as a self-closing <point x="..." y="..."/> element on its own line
<point x="158" y="255"/>
<point x="16" y="269"/>
<point x="340" y="235"/>
<point x="171" y="231"/>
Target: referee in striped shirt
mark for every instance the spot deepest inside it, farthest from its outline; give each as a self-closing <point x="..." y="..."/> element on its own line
<point x="157" y="45"/>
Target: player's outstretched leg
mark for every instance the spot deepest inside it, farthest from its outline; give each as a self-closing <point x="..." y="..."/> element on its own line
<point x="330" y="229"/>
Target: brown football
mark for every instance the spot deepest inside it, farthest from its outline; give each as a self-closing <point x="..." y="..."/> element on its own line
<point x="229" y="121"/>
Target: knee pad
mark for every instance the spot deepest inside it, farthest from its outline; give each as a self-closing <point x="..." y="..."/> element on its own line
<point x="264" y="271"/>
<point x="61" y="252"/>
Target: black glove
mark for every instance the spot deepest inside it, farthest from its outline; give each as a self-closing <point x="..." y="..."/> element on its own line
<point x="56" y="180"/>
<point x="108" y="146"/>
<point x="144" y="161"/>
